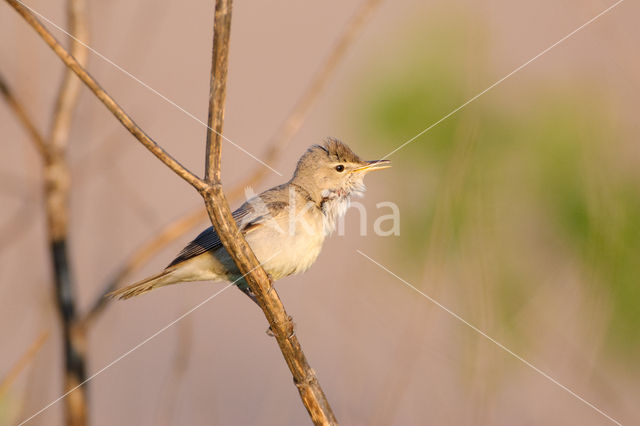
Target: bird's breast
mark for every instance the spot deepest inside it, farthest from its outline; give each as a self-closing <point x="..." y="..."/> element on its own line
<point x="291" y="247"/>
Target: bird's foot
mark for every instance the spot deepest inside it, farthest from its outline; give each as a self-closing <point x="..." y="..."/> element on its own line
<point x="292" y="331"/>
<point x="271" y="281"/>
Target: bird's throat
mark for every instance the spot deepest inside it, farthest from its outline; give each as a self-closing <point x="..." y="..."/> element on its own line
<point x="334" y="205"/>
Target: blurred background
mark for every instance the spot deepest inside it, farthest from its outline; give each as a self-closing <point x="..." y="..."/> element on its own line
<point x="520" y="213"/>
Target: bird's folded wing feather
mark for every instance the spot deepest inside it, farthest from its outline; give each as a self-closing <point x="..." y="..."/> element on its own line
<point x="208" y="239"/>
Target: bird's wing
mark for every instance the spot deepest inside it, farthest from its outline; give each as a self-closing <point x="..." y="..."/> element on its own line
<point x="208" y="239"/>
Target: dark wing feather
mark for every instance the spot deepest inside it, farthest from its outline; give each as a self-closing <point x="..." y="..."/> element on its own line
<point x="208" y="239"/>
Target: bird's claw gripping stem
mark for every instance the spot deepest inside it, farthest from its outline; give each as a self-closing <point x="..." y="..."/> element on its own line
<point x="292" y="332"/>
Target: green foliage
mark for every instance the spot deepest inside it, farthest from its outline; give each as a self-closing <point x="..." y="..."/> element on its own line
<point x="594" y="207"/>
<point x="549" y="156"/>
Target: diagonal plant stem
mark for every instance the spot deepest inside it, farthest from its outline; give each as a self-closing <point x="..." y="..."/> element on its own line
<point x="70" y="88"/>
<point x="280" y="140"/>
<point x="15" y="227"/>
<point x="106" y="99"/>
<point x="24" y="118"/>
<point x="161" y="239"/>
<point x="57" y="187"/>
<point x="304" y="377"/>
<point x="10" y="377"/>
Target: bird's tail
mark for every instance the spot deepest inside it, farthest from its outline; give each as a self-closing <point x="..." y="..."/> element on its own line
<point x="158" y="280"/>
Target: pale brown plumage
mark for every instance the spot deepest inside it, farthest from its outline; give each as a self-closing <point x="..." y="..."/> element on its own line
<point x="325" y="178"/>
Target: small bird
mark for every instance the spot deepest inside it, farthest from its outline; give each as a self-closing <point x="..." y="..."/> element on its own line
<point x="285" y="226"/>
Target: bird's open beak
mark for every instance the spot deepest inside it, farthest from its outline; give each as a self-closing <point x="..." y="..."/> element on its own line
<point x="373" y="165"/>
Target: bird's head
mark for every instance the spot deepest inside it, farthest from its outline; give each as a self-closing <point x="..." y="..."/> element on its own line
<point x="333" y="171"/>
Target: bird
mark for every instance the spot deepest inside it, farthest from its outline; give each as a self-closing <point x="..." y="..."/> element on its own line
<point x="285" y="226"/>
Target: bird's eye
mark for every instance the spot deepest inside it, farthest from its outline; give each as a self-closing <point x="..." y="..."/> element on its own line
<point x="339" y="168"/>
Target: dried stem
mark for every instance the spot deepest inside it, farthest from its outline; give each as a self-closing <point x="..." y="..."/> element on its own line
<point x="57" y="185"/>
<point x="56" y="195"/>
<point x="218" y="208"/>
<point x="218" y="91"/>
<point x="267" y="297"/>
<point x="70" y="87"/>
<point x="106" y="99"/>
<point x="170" y="233"/>
<point x="23" y="117"/>
<point x="16" y="226"/>
<point x="26" y="358"/>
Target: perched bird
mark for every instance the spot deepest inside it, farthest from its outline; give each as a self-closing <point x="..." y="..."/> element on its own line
<point x="285" y="226"/>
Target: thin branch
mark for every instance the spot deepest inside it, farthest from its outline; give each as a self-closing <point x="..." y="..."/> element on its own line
<point x="218" y="208"/>
<point x="70" y="87"/>
<point x="106" y="99"/>
<point x="218" y="88"/>
<point x="267" y="297"/>
<point x="23" y="117"/>
<point x="160" y="240"/>
<point x="26" y="358"/>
